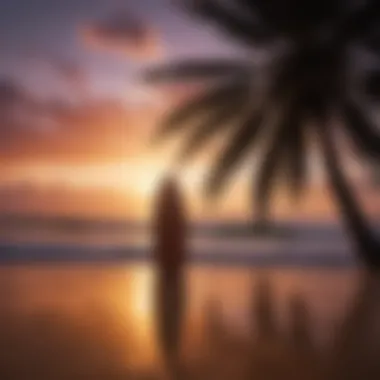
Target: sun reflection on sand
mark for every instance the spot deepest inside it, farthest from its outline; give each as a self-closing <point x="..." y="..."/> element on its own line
<point x="141" y="314"/>
<point x="141" y="297"/>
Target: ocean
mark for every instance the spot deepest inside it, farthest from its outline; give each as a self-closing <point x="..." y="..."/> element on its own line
<point x="66" y="240"/>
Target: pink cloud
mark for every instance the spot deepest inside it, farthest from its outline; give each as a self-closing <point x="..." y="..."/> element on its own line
<point x="123" y="33"/>
<point x="73" y="74"/>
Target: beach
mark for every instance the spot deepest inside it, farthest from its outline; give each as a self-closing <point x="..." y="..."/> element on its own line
<point x="100" y="317"/>
<point x="85" y="297"/>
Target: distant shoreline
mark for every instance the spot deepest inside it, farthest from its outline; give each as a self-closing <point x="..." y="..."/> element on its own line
<point x="26" y="253"/>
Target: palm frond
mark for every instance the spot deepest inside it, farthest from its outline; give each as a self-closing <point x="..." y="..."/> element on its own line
<point x="246" y="29"/>
<point x="362" y="20"/>
<point x="190" y="70"/>
<point x="242" y="141"/>
<point x="373" y="85"/>
<point x="249" y="6"/>
<point x="372" y="42"/>
<point x="271" y="163"/>
<point x="215" y="124"/>
<point x="363" y="24"/>
<point x="363" y="134"/>
<point x="209" y="101"/>
<point x="296" y="157"/>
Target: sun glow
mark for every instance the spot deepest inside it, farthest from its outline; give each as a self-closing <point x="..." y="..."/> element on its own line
<point x="141" y="298"/>
<point x="120" y="176"/>
<point x="141" y="311"/>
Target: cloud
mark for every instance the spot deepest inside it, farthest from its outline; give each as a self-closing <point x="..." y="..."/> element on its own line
<point x="94" y="130"/>
<point x="19" y="111"/>
<point x="123" y="33"/>
<point x="72" y="73"/>
<point x="66" y="70"/>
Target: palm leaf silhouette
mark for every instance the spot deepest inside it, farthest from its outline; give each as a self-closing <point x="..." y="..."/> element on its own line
<point x="196" y="70"/>
<point x="217" y="122"/>
<point x="209" y="102"/>
<point x="296" y="158"/>
<point x="364" y="135"/>
<point x="373" y="83"/>
<point x="247" y="29"/>
<point x="271" y="163"/>
<point x="313" y="66"/>
<point x="244" y="139"/>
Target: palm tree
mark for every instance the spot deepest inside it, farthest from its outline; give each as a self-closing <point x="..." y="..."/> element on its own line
<point x="308" y="88"/>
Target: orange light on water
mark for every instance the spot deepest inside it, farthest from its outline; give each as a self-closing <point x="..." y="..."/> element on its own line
<point x="141" y="315"/>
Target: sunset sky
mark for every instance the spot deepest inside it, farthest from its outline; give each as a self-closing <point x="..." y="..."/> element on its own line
<point x="75" y="118"/>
